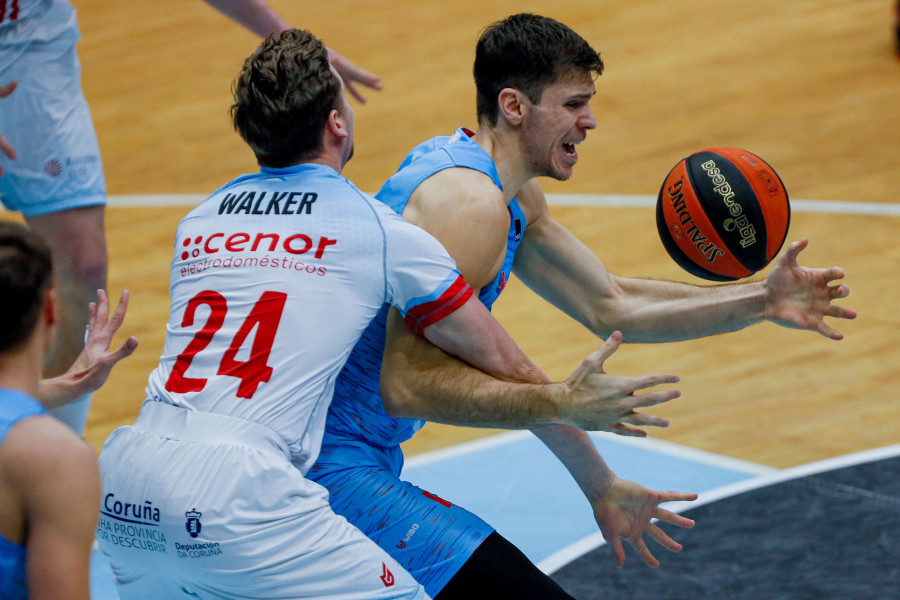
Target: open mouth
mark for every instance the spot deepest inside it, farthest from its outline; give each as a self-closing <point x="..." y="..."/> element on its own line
<point x="569" y="149"/>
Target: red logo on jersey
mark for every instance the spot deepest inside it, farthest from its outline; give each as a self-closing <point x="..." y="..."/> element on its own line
<point x="502" y="283"/>
<point x="386" y="576"/>
<point x="437" y="499"/>
<point x="298" y="243"/>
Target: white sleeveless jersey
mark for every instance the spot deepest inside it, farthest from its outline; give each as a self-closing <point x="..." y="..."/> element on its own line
<point x="274" y="278"/>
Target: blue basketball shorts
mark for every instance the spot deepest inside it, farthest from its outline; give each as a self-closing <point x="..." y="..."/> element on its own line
<point x="430" y="537"/>
<point x="46" y="119"/>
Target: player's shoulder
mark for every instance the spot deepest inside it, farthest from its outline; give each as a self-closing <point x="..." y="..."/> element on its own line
<point x="40" y="447"/>
<point x="462" y="187"/>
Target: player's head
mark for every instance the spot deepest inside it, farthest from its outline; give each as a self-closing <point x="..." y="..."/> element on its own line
<point x="26" y="272"/>
<point x="284" y="96"/>
<point x="535" y="79"/>
<point x="527" y="52"/>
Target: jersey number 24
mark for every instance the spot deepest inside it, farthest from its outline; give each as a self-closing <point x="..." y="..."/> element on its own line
<point x="265" y="316"/>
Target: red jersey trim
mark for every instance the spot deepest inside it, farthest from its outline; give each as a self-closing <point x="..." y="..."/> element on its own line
<point x="429" y="313"/>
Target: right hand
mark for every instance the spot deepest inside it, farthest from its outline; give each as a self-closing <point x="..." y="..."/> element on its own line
<point x="6" y="90"/>
<point x="597" y="401"/>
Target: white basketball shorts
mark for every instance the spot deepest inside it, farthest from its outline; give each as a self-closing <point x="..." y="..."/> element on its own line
<point x="197" y="505"/>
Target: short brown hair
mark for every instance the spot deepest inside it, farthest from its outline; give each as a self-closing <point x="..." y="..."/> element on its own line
<point x="283" y="96"/>
<point x="26" y="272"/>
<point x="527" y="52"/>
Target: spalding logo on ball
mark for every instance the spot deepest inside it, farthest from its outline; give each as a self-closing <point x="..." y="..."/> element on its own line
<point x="723" y="214"/>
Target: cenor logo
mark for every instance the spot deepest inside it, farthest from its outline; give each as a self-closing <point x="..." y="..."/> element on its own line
<point x="298" y="243"/>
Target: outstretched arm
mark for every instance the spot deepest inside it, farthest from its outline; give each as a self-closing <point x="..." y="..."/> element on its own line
<point x="261" y="19"/>
<point x="561" y="269"/>
<point x="92" y="367"/>
<point x="420" y="381"/>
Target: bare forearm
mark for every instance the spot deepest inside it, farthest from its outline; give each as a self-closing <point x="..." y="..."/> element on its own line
<point x="577" y="452"/>
<point x="473" y="335"/>
<point x="566" y="273"/>
<point x="420" y="381"/>
<point x="58" y="391"/>
<point x="255" y="15"/>
<point x="662" y="311"/>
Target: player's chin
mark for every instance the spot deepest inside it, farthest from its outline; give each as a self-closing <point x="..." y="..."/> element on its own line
<point x="562" y="173"/>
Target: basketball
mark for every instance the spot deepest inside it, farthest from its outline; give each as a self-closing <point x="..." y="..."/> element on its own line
<point x="722" y="213"/>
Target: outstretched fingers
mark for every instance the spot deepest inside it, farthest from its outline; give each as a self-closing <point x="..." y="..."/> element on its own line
<point x="789" y="258"/>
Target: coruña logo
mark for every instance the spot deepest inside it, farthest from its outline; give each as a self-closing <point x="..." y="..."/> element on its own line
<point x="193" y="522"/>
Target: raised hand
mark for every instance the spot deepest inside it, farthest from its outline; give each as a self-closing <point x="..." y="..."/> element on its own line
<point x="351" y="74"/>
<point x="800" y="298"/>
<point x="92" y="367"/>
<point x="626" y="511"/>
<point x="598" y="401"/>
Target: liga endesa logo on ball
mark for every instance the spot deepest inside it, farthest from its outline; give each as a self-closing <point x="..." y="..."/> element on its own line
<point x="724" y="189"/>
<point x="722" y="213"/>
<point x="688" y="228"/>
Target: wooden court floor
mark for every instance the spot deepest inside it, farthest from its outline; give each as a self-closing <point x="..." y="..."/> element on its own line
<point x="813" y="87"/>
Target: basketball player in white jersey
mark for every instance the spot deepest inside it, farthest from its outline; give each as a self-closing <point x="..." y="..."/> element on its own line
<point x="53" y="173"/>
<point x="274" y="278"/>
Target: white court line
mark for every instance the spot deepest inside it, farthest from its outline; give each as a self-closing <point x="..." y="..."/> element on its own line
<point x="614" y="200"/>
<point x="563" y="557"/>
<point x="649" y="444"/>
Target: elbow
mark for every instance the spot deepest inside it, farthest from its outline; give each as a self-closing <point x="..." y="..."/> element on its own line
<point x="396" y="395"/>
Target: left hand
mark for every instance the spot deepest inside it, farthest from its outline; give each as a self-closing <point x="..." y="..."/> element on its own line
<point x="351" y="74"/>
<point x="800" y="298"/>
<point x="625" y="512"/>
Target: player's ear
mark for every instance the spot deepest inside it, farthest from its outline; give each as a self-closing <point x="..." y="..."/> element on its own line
<point x="513" y="105"/>
<point x="337" y="124"/>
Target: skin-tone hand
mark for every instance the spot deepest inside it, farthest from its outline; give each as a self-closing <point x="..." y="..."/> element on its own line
<point x="626" y="511"/>
<point x="351" y="74"/>
<point x="92" y="367"/>
<point x="6" y="90"/>
<point x="602" y="402"/>
<point x="800" y="298"/>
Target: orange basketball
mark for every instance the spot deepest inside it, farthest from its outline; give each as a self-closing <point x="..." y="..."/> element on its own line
<point x="723" y="213"/>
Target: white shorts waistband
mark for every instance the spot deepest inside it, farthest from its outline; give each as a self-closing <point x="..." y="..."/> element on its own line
<point x="194" y="426"/>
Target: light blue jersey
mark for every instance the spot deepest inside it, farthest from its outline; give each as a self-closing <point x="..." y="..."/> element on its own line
<point x="14" y="406"/>
<point x="361" y="459"/>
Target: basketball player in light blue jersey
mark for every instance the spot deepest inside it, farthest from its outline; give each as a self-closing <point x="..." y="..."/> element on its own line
<point x="477" y="194"/>
<point x="49" y="484"/>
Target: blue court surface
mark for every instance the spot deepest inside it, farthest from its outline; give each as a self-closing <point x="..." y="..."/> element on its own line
<point x="513" y="482"/>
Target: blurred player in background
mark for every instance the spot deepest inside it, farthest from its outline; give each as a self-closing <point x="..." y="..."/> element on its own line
<point x="53" y="174"/>
<point x="49" y="482"/>
<point x="477" y="194"/>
